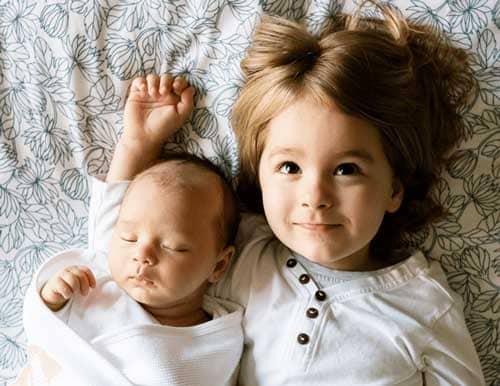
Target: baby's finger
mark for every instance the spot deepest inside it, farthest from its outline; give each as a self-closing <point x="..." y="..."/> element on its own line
<point x="63" y="288"/>
<point x="153" y="84"/>
<point x="84" y="282"/>
<point x="185" y="106"/>
<point x="138" y="87"/>
<point x="87" y="280"/>
<point x="179" y="85"/>
<point x="138" y="84"/>
<point x="90" y="277"/>
<point x="166" y="84"/>
<point x="71" y="276"/>
<point x="83" y="275"/>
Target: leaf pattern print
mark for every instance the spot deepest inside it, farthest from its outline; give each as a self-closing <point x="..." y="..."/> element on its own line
<point x="54" y="20"/>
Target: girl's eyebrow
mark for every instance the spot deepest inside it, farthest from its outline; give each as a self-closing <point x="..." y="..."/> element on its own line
<point x="356" y="153"/>
<point x="283" y="151"/>
<point x="353" y="153"/>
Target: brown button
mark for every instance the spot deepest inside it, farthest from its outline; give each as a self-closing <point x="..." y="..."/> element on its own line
<point x="290" y="263"/>
<point x="303" y="338"/>
<point x="312" y="313"/>
<point x="320" y="295"/>
<point x="304" y="278"/>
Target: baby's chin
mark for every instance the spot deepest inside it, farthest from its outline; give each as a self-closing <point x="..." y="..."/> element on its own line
<point x="147" y="300"/>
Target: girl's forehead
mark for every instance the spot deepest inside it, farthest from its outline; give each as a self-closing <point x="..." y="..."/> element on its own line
<point x="308" y="119"/>
<point x="306" y="129"/>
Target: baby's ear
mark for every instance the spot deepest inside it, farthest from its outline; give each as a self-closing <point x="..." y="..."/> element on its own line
<point x="396" y="196"/>
<point x="222" y="264"/>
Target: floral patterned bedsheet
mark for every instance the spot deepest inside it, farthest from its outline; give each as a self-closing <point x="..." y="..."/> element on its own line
<point x="65" y="67"/>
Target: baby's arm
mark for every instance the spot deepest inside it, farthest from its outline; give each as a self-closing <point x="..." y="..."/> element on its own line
<point x="156" y="107"/>
<point x="62" y="286"/>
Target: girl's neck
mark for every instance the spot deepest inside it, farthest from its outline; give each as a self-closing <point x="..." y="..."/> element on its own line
<point x="360" y="261"/>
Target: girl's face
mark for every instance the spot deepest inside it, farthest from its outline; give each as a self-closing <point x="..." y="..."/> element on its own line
<point x="326" y="184"/>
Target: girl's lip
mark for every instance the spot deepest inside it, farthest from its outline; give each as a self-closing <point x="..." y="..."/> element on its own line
<point x="317" y="226"/>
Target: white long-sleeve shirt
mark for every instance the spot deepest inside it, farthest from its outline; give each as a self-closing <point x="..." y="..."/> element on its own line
<point x="401" y="325"/>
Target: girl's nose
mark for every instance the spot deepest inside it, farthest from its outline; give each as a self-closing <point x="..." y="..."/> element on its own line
<point x="317" y="194"/>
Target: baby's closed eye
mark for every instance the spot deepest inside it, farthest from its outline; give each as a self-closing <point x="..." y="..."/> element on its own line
<point x="128" y="238"/>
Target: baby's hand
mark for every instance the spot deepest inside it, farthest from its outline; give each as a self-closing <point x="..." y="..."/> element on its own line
<point x="156" y="107"/>
<point x="62" y="286"/>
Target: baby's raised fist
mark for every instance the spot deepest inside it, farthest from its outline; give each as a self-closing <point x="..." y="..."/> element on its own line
<point x="67" y="282"/>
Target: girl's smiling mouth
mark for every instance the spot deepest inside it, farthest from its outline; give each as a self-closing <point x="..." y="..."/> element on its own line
<point x="321" y="227"/>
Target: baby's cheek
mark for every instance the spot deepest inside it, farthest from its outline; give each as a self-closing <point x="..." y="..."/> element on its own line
<point x="115" y="266"/>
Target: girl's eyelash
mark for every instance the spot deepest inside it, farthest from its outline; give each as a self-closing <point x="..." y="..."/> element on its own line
<point x="347" y="169"/>
<point x="128" y="239"/>
<point x="288" y="167"/>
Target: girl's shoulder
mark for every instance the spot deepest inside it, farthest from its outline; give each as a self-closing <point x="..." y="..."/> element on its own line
<point x="252" y="227"/>
<point x="422" y="286"/>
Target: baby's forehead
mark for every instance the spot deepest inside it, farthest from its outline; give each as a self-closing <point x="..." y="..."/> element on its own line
<point x="180" y="177"/>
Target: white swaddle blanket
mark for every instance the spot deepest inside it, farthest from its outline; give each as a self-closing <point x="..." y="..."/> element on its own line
<point x="123" y="345"/>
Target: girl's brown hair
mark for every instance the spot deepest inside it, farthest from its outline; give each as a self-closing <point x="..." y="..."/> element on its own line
<point x="404" y="78"/>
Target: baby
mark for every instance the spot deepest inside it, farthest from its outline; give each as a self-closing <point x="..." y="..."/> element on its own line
<point x="148" y="315"/>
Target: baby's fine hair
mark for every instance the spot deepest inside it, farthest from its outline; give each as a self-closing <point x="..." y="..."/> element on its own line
<point x="229" y="217"/>
<point x="404" y="78"/>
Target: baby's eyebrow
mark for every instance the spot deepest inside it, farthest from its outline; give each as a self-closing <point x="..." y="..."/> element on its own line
<point x="127" y="223"/>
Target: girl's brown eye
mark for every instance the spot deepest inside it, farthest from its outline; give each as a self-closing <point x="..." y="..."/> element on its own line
<point x="289" y="168"/>
<point x="346" y="169"/>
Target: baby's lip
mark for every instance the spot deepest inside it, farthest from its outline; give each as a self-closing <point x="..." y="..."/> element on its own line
<point x="142" y="279"/>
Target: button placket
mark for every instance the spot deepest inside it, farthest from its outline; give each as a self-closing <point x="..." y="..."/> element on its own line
<point x="312" y="312"/>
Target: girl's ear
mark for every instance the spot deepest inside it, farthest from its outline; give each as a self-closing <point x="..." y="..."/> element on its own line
<point x="222" y="263"/>
<point x="396" y="197"/>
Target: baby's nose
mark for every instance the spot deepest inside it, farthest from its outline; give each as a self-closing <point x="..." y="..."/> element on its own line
<point x="145" y="254"/>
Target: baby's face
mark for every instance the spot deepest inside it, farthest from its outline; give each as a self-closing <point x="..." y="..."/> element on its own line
<point x="164" y="246"/>
<point x="326" y="184"/>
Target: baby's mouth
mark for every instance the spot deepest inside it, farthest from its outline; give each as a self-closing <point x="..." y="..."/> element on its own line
<point x="142" y="279"/>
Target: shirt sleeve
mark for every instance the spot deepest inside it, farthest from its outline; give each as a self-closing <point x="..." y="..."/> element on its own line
<point x="104" y="208"/>
<point x="450" y="358"/>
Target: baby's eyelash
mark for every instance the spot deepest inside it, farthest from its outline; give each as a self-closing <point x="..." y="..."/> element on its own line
<point x="128" y="239"/>
<point x="179" y="250"/>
